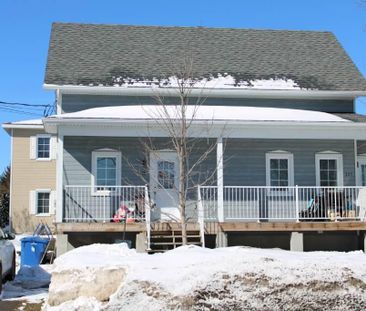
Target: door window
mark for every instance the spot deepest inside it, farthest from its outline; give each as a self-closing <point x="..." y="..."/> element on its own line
<point x="166" y="174"/>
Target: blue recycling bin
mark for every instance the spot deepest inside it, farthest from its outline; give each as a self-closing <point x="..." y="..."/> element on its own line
<point x="32" y="250"/>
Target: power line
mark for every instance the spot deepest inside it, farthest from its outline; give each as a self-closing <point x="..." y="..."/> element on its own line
<point x="27" y="108"/>
<point x="23" y="104"/>
<point x="20" y="111"/>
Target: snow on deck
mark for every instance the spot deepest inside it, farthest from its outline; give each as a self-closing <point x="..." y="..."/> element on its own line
<point x="215" y="113"/>
<point x="232" y="278"/>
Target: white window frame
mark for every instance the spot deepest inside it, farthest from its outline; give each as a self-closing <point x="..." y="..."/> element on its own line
<point x="105" y="154"/>
<point x="290" y="174"/>
<point x="38" y="191"/>
<point x="329" y="155"/>
<point x="50" y="147"/>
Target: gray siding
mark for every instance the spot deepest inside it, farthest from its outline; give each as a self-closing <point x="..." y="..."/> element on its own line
<point x="244" y="165"/>
<point x="72" y="103"/>
<point x="78" y="158"/>
<point x="361" y="147"/>
<point x="244" y="160"/>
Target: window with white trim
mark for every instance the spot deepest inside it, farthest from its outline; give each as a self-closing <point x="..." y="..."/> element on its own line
<point x="279" y="169"/>
<point x="43" y="202"/>
<point x="43" y="147"/>
<point x="106" y="169"/>
<point x="329" y="169"/>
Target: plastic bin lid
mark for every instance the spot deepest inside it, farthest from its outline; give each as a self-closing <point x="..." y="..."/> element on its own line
<point x="36" y="239"/>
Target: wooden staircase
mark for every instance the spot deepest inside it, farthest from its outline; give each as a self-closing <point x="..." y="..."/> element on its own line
<point x="162" y="241"/>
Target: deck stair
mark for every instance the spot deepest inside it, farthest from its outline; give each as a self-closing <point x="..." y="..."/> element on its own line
<point x="162" y="241"/>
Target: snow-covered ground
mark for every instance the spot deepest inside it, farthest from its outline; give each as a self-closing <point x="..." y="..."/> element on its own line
<point x="233" y="278"/>
<point x="31" y="283"/>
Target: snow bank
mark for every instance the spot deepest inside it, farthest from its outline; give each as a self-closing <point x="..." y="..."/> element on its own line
<point x="30" y="284"/>
<point x="101" y="266"/>
<point x="95" y="255"/>
<point x="235" y="278"/>
<point x="208" y="113"/>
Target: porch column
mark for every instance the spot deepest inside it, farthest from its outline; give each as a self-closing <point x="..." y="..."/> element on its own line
<point x="62" y="244"/>
<point x="221" y="239"/>
<point x="141" y="242"/>
<point x="297" y="242"/>
<point x="59" y="178"/>
<point x="220" y="180"/>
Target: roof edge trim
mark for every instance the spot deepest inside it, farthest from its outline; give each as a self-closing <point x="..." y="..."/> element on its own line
<point x="231" y="93"/>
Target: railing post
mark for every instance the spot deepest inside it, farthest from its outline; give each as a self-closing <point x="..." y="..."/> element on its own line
<point x="297" y="202"/>
<point x="147" y="217"/>
<point x="220" y="180"/>
<point x="201" y="216"/>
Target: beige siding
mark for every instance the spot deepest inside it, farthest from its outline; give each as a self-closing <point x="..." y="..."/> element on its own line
<point x="28" y="175"/>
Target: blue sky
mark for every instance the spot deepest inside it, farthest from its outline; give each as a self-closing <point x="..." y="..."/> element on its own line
<point x="25" y="29"/>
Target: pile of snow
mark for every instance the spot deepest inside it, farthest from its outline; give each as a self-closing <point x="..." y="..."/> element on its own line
<point x="202" y="113"/>
<point x="75" y="271"/>
<point x="235" y="278"/>
<point x="30" y="284"/>
<point x="220" y="81"/>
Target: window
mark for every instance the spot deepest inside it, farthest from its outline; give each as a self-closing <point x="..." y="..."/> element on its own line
<point x="43" y="202"/>
<point x="106" y="169"/>
<point x="43" y="147"/>
<point x="329" y="169"/>
<point x="166" y="174"/>
<point x="279" y="169"/>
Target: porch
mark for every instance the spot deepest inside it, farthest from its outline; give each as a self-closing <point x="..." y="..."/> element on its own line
<point x="294" y="212"/>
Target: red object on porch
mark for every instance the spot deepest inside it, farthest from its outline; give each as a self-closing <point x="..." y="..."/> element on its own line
<point x="121" y="213"/>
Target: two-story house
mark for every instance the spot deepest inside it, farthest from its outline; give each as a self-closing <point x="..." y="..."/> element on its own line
<point x="289" y="165"/>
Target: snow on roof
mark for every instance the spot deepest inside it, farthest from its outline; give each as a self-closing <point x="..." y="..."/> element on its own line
<point x="27" y="122"/>
<point x="215" y="113"/>
<point x="221" y="81"/>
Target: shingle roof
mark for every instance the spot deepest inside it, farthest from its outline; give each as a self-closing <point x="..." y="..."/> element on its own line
<point x="354" y="117"/>
<point x="86" y="54"/>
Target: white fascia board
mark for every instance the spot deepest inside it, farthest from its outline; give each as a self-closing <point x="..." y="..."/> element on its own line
<point x="265" y="130"/>
<point x="8" y="126"/>
<point x="153" y="122"/>
<point x="207" y="92"/>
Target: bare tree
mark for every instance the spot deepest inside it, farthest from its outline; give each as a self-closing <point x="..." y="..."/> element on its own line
<point x="177" y="120"/>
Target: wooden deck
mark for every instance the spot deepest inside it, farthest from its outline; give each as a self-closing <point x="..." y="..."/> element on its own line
<point x="214" y="227"/>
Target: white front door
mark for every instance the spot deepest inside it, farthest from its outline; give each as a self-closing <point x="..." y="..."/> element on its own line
<point x="361" y="171"/>
<point x="164" y="183"/>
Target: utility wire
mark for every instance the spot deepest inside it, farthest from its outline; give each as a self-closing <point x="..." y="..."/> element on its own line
<point x="20" y="111"/>
<point x="22" y="104"/>
<point x="27" y="108"/>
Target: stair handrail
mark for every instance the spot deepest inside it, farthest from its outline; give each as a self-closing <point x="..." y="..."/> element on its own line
<point x="147" y="217"/>
<point x="201" y="216"/>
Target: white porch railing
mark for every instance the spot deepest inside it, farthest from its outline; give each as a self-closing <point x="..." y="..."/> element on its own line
<point x="93" y="204"/>
<point x="296" y="203"/>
